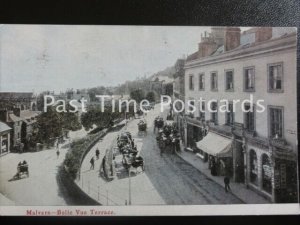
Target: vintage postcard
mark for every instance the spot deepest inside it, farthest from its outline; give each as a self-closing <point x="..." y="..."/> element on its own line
<point x="148" y="120"/>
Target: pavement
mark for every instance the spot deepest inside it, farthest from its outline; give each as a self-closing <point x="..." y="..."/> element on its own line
<point x="238" y="189"/>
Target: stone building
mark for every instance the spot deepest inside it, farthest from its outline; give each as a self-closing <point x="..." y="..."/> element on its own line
<point x="15" y="122"/>
<point x="256" y="148"/>
<point x="21" y="100"/>
<point x="178" y="94"/>
<point x="4" y="138"/>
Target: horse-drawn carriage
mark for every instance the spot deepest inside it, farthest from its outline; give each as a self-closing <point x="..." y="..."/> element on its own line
<point x="168" y="139"/>
<point x="142" y="126"/>
<point x="123" y="139"/>
<point x="158" y="123"/>
<point x="22" y="169"/>
<point x="132" y="160"/>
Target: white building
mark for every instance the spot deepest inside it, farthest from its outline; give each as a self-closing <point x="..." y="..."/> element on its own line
<point x="256" y="148"/>
<point x="4" y="138"/>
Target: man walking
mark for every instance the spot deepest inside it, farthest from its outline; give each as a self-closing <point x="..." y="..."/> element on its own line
<point x="92" y="161"/>
<point x="226" y="182"/>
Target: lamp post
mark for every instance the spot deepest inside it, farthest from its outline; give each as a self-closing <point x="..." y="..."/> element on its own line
<point x="129" y="183"/>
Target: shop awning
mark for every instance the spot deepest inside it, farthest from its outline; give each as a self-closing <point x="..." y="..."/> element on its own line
<point x="216" y="145"/>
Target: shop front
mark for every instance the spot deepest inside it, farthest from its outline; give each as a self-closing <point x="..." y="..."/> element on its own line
<point x="217" y="151"/>
<point x="272" y="172"/>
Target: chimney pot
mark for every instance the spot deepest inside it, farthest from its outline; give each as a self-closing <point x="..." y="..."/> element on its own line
<point x="263" y="34"/>
<point x="232" y="38"/>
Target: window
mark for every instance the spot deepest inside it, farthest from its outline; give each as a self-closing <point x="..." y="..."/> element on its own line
<point x="249" y="79"/>
<point x="191" y="82"/>
<point x="230" y="115"/>
<point x="266" y="174"/>
<point x="214" y="81"/>
<point x="229" y="80"/>
<point x="214" y="115"/>
<point x="253" y="167"/>
<point x="202" y="112"/>
<point x="201" y="81"/>
<point x="275" y="76"/>
<point x="249" y="120"/>
<point x="192" y="102"/>
<point x="276" y="122"/>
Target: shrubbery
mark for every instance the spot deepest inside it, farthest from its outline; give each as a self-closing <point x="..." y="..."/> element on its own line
<point x="77" y="150"/>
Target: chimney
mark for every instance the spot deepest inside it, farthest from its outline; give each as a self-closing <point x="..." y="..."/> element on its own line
<point x="207" y="46"/>
<point x="232" y="38"/>
<point x="17" y="111"/>
<point x="4" y="115"/>
<point x="263" y="34"/>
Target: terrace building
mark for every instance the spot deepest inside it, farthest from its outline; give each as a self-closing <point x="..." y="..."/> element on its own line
<point x="258" y="149"/>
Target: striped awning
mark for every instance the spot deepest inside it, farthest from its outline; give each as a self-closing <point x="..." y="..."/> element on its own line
<point x="215" y="145"/>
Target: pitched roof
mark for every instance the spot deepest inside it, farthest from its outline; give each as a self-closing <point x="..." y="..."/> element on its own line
<point x="15" y="95"/>
<point x="24" y="114"/>
<point x="14" y="118"/>
<point x="4" y="127"/>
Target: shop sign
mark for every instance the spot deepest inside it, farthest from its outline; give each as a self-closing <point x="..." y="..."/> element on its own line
<point x="283" y="175"/>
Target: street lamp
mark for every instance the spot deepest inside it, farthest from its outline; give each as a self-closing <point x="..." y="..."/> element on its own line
<point x="129" y="183"/>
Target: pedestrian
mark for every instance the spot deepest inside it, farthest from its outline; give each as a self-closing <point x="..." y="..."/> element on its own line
<point x="57" y="153"/>
<point x="92" y="161"/>
<point x="97" y="153"/>
<point x="132" y="143"/>
<point x="226" y="182"/>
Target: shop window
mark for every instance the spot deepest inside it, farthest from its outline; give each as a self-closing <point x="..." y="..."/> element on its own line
<point x="253" y="167"/>
<point x="266" y="174"/>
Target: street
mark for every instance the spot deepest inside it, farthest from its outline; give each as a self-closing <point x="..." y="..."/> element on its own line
<point x="41" y="187"/>
<point x="167" y="179"/>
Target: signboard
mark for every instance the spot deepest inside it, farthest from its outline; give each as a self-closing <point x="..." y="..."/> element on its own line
<point x="277" y="179"/>
<point x="283" y="175"/>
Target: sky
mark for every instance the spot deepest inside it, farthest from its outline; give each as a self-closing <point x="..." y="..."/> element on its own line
<point x="56" y="57"/>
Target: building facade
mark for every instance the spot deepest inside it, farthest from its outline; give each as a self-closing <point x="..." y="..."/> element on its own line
<point x="258" y="147"/>
<point x="4" y="138"/>
<point x="178" y="94"/>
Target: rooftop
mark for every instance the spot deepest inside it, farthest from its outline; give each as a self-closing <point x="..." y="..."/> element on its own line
<point x="4" y="127"/>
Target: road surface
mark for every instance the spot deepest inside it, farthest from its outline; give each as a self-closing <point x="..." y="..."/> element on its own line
<point x="167" y="179"/>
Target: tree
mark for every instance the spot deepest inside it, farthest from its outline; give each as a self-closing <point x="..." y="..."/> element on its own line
<point x="150" y="96"/>
<point x="51" y="124"/>
<point x="138" y="95"/>
<point x="95" y="116"/>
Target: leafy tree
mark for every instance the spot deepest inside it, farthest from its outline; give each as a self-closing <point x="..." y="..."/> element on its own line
<point x="138" y="95"/>
<point x="150" y="96"/>
<point x="51" y="124"/>
<point x="96" y="117"/>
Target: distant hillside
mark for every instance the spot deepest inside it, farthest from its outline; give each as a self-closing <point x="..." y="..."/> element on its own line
<point x="164" y="74"/>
